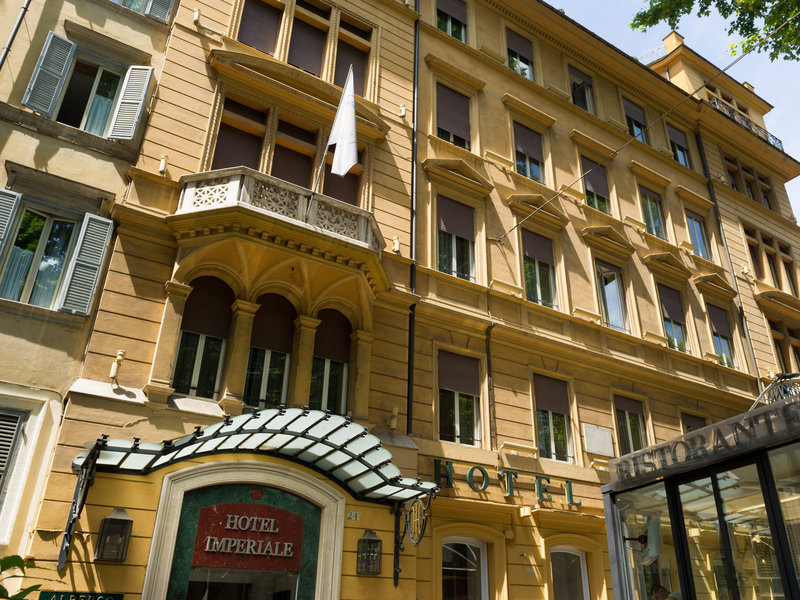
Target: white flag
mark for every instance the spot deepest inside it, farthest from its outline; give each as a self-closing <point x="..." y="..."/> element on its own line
<point x="343" y="132"/>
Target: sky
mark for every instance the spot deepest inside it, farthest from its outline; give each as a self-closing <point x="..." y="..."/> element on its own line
<point x="776" y="82"/>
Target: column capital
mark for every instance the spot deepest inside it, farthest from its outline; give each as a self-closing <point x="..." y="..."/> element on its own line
<point x="306" y="322"/>
<point x="175" y="289"/>
<point x="245" y="307"/>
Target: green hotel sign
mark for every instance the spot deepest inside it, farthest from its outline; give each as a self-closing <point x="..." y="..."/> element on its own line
<point x="79" y="596"/>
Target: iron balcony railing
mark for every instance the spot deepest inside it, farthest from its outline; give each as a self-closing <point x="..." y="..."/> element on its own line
<point x="281" y="200"/>
<point x="746" y="123"/>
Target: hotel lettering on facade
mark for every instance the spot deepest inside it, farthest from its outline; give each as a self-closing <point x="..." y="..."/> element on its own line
<point x="409" y="384"/>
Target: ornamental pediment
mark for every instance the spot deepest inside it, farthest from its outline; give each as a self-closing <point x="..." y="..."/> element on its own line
<point x="608" y="240"/>
<point x="667" y="265"/>
<point x="456" y="171"/>
<point x="715" y="285"/>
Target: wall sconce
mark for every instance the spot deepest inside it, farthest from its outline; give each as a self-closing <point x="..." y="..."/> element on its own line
<point x="116" y="364"/>
<point x="370" y="548"/>
<point x="115" y="533"/>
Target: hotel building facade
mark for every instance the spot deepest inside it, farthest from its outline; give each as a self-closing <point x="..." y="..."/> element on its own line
<point x="548" y="255"/>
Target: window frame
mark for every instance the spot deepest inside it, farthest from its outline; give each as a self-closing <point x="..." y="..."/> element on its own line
<point x="443" y="133"/>
<point x="547" y="401"/>
<point x="54" y="71"/>
<point x="484" y="559"/>
<point x="746" y="180"/>
<point x="679" y="151"/>
<point x="198" y="363"/>
<point x="326" y="381"/>
<point x="603" y="300"/>
<point x="577" y="78"/>
<point x="537" y="265"/>
<point x="700" y="228"/>
<point x="453" y="240"/>
<point x="521" y="157"/>
<point x="622" y="420"/>
<point x="160" y="10"/>
<point x="777" y="255"/>
<point x="261" y="402"/>
<point x="652" y="206"/>
<point x="84" y="259"/>
<point x="591" y="195"/>
<point x="454" y="369"/>
<point x="521" y="59"/>
<point x="720" y="340"/>
<point x="581" y="554"/>
<point x="636" y="129"/>
<point x="447" y="19"/>
<point x="671" y="323"/>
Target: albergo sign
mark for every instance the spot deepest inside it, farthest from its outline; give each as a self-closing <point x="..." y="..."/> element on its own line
<point x="239" y="535"/>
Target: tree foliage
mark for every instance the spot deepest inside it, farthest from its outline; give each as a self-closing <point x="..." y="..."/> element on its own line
<point x="750" y="19"/>
<point x="14" y="563"/>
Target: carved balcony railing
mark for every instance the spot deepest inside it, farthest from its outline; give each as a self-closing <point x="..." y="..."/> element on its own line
<point x="281" y="200"/>
<point x="746" y="123"/>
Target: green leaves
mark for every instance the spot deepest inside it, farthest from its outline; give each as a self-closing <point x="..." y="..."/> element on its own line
<point x="8" y="563"/>
<point x="771" y="26"/>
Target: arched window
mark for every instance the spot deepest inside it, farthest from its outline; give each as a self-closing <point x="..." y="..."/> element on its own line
<point x="204" y="331"/>
<point x="465" y="571"/>
<point x="570" y="575"/>
<point x="329" y="369"/>
<point x="267" y="378"/>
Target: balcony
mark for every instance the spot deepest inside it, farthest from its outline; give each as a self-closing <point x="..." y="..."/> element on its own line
<point x="288" y="203"/>
<point x="746" y="123"/>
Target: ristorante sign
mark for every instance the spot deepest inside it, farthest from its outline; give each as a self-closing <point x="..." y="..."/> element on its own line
<point x="762" y="427"/>
<point x="239" y="535"/>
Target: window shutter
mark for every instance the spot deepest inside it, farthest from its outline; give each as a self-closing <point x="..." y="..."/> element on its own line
<point x="292" y="166"/>
<point x="719" y="320"/>
<point x="10" y="426"/>
<point x="347" y="55"/>
<point x="236" y="147"/>
<point x="459" y="373"/>
<point x="159" y="10"/>
<point x="594" y="177"/>
<point x="579" y="77"/>
<point x="307" y="47"/>
<point x="455" y="8"/>
<point x="452" y="111"/>
<point x="528" y="142"/>
<point x="519" y="44"/>
<point x="456" y="218"/>
<point x="677" y="136"/>
<point x="9" y="201"/>
<point x="131" y="103"/>
<point x="273" y="325"/>
<point x="259" y="25"/>
<point x="208" y="308"/>
<point x="634" y="111"/>
<point x="692" y="422"/>
<point x="344" y="188"/>
<point x="537" y="247"/>
<point x="49" y="75"/>
<point x="332" y="339"/>
<point x="628" y="405"/>
<point x="83" y="270"/>
<point x="551" y="394"/>
<point x="671" y="304"/>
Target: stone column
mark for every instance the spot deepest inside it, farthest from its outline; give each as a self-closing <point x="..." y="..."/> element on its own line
<point x="358" y="380"/>
<point x="305" y="330"/>
<point x="236" y="355"/>
<point x="159" y="388"/>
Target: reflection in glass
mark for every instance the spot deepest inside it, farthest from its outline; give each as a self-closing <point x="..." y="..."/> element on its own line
<point x="785" y="464"/>
<point x="650" y="562"/>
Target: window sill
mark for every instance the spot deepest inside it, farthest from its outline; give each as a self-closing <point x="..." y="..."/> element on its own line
<point x="132" y="14"/>
<point x="125" y="151"/>
<point x="28" y="311"/>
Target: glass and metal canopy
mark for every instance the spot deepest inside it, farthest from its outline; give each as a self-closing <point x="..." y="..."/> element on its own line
<point x="330" y="444"/>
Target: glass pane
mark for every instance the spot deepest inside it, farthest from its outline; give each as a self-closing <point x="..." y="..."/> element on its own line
<point x="446" y="252"/>
<point x="276" y="377"/>
<point x="467" y="419"/>
<point x="569" y="581"/>
<point x="705" y="545"/>
<point x="543" y="431"/>
<point x="317" y="383"/>
<point x="786" y="470"/>
<point x="611" y="293"/>
<point x="55" y="252"/>
<point x="336" y="388"/>
<point x="21" y="257"/>
<point x="546" y="284"/>
<point x="184" y="363"/>
<point x="531" y="290"/>
<point x="209" y="367"/>
<point x="560" y="436"/>
<point x="463" y="258"/>
<point x="636" y="428"/>
<point x="624" y="434"/>
<point x="103" y="101"/>
<point x="650" y="562"/>
<point x="461" y="572"/>
<point x="447" y="415"/>
<point x="254" y="377"/>
<point x="457" y="29"/>
<point x="753" y="547"/>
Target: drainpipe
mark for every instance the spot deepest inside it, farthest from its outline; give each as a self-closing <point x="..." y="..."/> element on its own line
<point x="7" y="47"/>
<point x="742" y="317"/>
<point x="490" y="382"/>
<point x="412" y="276"/>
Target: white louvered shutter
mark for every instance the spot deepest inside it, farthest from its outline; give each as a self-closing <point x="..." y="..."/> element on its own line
<point x="83" y="271"/>
<point x="49" y="75"/>
<point x="9" y="202"/>
<point x="131" y="103"/>
<point x="10" y="425"/>
<point x="159" y="9"/>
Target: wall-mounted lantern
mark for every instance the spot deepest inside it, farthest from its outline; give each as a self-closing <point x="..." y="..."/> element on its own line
<point x="370" y="550"/>
<point x="115" y="533"/>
